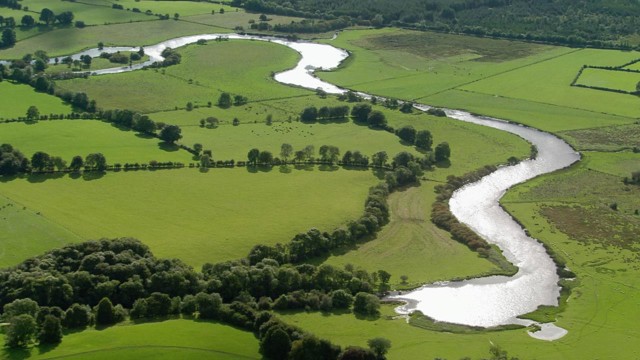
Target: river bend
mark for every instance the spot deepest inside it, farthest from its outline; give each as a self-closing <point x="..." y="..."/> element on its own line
<point x="487" y="301"/>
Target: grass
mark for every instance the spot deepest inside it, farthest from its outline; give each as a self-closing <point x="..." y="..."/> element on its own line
<point x="610" y="138"/>
<point x="231" y="19"/>
<point x="17" y="98"/>
<point x="609" y="79"/>
<point x="87" y="11"/>
<point x="68" y="138"/>
<point x="384" y="63"/>
<point x="96" y="64"/>
<point x="71" y="40"/>
<point x="548" y="82"/>
<point x="197" y="217"/>
<point x="185" y="339"/>
<point x="172" y="7"/>
<point x="24" y="233"/>
<point x="204" y="73"/>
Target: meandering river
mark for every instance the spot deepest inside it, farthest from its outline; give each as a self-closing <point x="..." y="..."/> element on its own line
<point x="487" y="301"/>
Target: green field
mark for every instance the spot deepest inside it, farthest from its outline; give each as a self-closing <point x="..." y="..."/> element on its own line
<point x="88" y="11"/>
<point x="71" y="40"/>
<point x="16" y="99"/>
<point x="610" y="138"/>
<point x="194" y="216"/>
<point x="68" y="138"/>
<point x="170" y="339"/>
<point x="96" y="64"/>
<point x="205" y="72"/>
<point x="609" y="79"/>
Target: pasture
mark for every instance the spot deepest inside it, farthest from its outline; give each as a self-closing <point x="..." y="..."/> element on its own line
<point x="68" y="138"/>
<point x="197" y="216"/>
<point x="17" y="98"/>
<point x="68" y="41"/>
<point x="610" y="138"/>
<point x="186" y="339"/>
<point x="91" y="14"/>
<point x="205" y="72"/>
<point x="411" y="65"/>
<point x="609" y="79"/>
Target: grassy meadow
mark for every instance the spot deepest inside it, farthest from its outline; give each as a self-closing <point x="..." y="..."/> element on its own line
<point x="17" y="98"/>
<point x="205" y="72"/>
<point x="194" y="216"/>
<point x="609" y="79"/>
<point x="68" y="138"/>
<point x="610" y="138"/>
<point x="169" y="339"/>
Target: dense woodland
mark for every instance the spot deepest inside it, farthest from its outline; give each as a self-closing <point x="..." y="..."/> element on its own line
<point x="581" y="22"/>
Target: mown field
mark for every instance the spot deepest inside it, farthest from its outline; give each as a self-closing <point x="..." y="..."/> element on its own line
<point x="169" y="339"/>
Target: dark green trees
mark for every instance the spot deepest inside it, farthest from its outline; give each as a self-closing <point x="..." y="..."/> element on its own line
<point x="170" y="134"/>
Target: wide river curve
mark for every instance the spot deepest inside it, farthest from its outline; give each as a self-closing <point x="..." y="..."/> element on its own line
<point x="487" y="301"/>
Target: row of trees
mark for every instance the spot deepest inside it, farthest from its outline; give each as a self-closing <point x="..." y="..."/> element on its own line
<point x="12" y="162"/>
<point x="561" y="21"/>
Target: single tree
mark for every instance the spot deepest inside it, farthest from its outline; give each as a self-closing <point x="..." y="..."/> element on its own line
<point x="380" y="158"/>
<point x="275" y="344"/>
<point x="76" y="163"/>
<point x="33" y="113"/>
<point x="380" y="346"/>
<point x="253" y="156"/>
<point x="8" y="37"/>
<point x="170" y="134"/>
<point x="96" y="161"/>
<point x="21" y="331"/>
<point x="265" y="157"/>
<point x="27" y="21"/>
<point x="424" y="140"/>
<point x="47" y="16"/>
<point x="224" y="101"/>
<point x="105" y="314"/>
<point x="407" y="133"/>
<point x="285" y="151"/>
<point x="40" y="160"/>
<point x="360" y="112"/>
<point x="205" y="161"/>
<point x="51" y="330"/>
<point x="376" y="119"/>
<point x="442" y="152"/>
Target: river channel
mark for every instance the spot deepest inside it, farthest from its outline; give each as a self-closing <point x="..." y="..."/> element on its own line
<point x="487" y="301"/>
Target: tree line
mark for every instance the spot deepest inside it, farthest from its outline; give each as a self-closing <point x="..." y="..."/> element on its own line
<point x="565" y="22"/>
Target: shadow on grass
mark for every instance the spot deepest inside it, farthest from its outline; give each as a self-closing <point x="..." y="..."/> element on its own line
<point x="204" y="170"/>
<point x="168" y="147"/>
<point x="45" y="348"/>
<point x="93" y="175"/>
<point x="40" y="178"/>
<point x="326" y="167"/>
<point x="15" y="354"/>
<point x="145" y="136"/>
<point x="285" y="169"/>
<point x="120" y="127"/>
<point x="367" y="317"/>
<point x="444" y="164"/>
<point x="259" y="168"/>
<point x="306" y="167"/>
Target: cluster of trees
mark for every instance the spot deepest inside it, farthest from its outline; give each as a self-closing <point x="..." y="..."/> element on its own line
<point x="312" y="114"/>
<point x="421" y="139"/>
<point x="77" y="286"/>
<point x="12" y="162"/>
<point x="363" y="113"/>
<point x="225" y="100"/>
<point x="442" y="217"/>
<point x="171" y="57"/>
<point x="121" y="58"/>
<point x="563" y="21"/>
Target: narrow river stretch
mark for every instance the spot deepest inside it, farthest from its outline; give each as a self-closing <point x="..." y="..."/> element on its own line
<point x="487" y="301"/>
